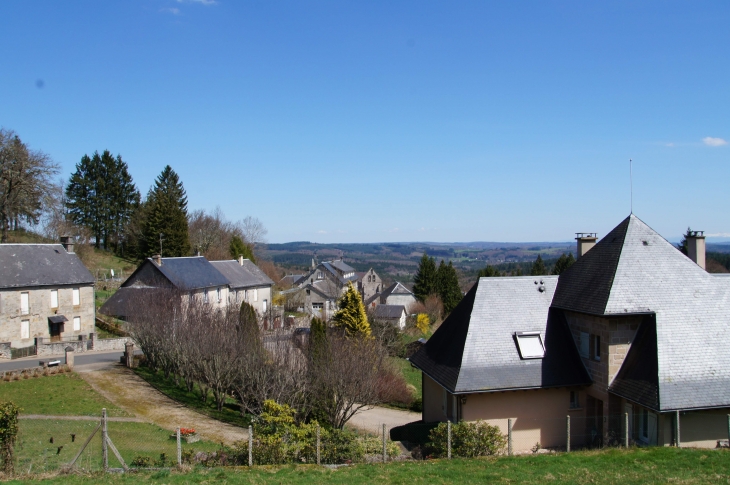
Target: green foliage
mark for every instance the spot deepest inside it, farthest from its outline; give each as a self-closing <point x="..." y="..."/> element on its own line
<point x="249" y="321"/>
<point x="538" y="267"/>
<point x="317" y="337"/>
<point x="240" y="248"/>
<point x="489" y="272"/>
<point x="141" y="461"/>
<point x="425" y="282"/>
<point x="469" y="439"/>
<point x="167" y="214"/>
<point x="423" y="323"/>
<point x="101" y="196"/>
<point x="682" y="246"/>
<point x="351" y="315"/>
<point x="448" y="286"/>
<point x="564" y="262"/>
<point x="8" y="433"/>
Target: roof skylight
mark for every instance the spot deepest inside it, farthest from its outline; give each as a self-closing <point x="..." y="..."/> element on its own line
<point x="530" y="345"/>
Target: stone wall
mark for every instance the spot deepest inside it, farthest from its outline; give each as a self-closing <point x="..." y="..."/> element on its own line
<point x="5" y="350"/>
<point x="110" y="343"/>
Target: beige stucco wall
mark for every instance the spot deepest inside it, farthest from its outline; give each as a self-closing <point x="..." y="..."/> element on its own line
<point x="40" y="309"/>
<point x="433" y="409"/>
<point x="702" y="429"/>
<point x="247" y="295"/>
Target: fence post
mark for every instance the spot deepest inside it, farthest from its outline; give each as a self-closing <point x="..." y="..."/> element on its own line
<point x="567" y="433"/>
<point x="179" y="448"/>
<point x="448" y="439"/>
<point x="728" y="429"/>
<point x="626" y="430"/>
<point x="104" y="437"/>
<point x="318" y="453"/>
<point x="385" y="450"/>
<point x="679" y="442"/>
<point x="509" y="436"/>
<point x="250" y="445"/>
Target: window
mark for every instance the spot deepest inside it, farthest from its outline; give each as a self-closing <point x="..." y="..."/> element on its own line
<point x="205" y="295"/>
<point x="24" y="303"/>
<point x="574" y="400"/>
<point x="77" y="324"/>
<point x="219" y="294"/>
<point x="255" y="294"/>
<point x="647" y="427"/>
<point x="320" y="275"/>
<point x="264" y="306"/>
<point x="583" y="345"/>
<point x="370" y="279"/>
<point x="76" y="297"/>
<point x="317" y="306"/>
<point x="595" y="347"/>
<point x="238" y="295"/>
<point x="25" y="329"/>
<point x="54" y="298"/>
<point x="191" y="297"/>
<point x="245" y="295"/>
<point x="530" y="345"/>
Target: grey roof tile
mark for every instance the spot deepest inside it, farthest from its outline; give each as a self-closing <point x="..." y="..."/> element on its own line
<point x="246" y="275"/>
<point x="25" y="265"/>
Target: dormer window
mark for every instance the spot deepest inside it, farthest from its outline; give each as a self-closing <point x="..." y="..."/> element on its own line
<point x="320" y="275"/>
<point x="530" y="345"/>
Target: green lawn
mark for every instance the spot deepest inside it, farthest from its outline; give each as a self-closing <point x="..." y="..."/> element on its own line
<point x="61" y="394"/>
<point x="636" y="466"/>
<point x="36" y="453"/>
<point x="412" y="375"/>
<point x="231" y="412"/>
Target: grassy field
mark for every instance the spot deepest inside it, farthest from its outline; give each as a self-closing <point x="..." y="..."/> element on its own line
<point x="36" y="453"/>
<point x="231" y="411"/>
<point x="411" y="374"/>
<point x="61" y="394"/>
<point x="615" y="466"/>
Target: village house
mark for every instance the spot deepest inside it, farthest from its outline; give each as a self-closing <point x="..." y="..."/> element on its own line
<point x="395" y="294"/>
<point x="46" y="293"/>
<point x="246" y="283"/>
<point x="634" y="331"/>
<point x="368" y="284"/>
<point x="395" y="315"/>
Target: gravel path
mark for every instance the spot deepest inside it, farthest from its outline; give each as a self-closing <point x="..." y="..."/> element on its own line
<point x="372" y="419"/>
<point x="131" y="393"/>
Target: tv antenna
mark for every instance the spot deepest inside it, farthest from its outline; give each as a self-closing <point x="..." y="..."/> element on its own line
<point x="631" y="183"/>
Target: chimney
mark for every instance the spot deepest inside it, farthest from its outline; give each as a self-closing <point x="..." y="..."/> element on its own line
<point x="586" y="240"/>
<point x="157" y="258"/>
<point x="68" y="244"/>
<point x="240" y="260"/>
<point x="696" y="247"/>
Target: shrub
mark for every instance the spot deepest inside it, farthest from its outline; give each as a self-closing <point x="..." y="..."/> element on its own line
<point x="423" y="323"/>
<point x="468" y="439"/>
<point x="141" y="461"/>
<point x="393" y="388"/>
<point x="8" y="433"/>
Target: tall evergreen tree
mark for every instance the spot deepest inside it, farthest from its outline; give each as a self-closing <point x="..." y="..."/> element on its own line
<point x="240" y="248"/>
<point x="564" y="262"/>
<point x="102" y="197"/>
<point x="425" y="281"/>
<point x="167" y="214"/>
<point x="488" y="272"/>
<point x="538" y="267"/>
<point x="448" y="286"/>
<point x="351" y="315"/>
<point x="682" y="246"/>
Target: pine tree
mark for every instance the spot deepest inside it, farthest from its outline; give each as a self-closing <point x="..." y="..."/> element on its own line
<point x="425" y="281"/>
<point x="564" y="262"/>
<point x="489" y="272"/>
<point x="240" y="248"/>
<point x="351" y="315"/>
<point x="682" y="246"/>
<point x="167" y="214"/>
<point x="538" y="267"/>
<point x="448" y="286"/>
<point x="317" y="338"/>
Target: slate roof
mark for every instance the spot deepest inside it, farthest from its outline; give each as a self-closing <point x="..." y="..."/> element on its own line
<point x="332" y="268"/>
<point x="633" y="270"/>
<point x="389" y="311"/>
<point x="25" y="265"/>
<point x="123" y="301"/>
<point x="247" y="275"/>
<point x="396" y="288"/>
<point x="187" y="273"/>
<point x="342" y="266"/>
<point x="474" y="350"/>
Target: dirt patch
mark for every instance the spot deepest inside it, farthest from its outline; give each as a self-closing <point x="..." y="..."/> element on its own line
<point x="128" y="391"/>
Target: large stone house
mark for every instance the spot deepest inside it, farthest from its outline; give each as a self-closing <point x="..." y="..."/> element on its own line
<point x="395" y="294"/>
<point x="246" y="282"/>
<point x="634" y="332"/>
<point x="46" y="293"/>
<point x="368" y="284"/>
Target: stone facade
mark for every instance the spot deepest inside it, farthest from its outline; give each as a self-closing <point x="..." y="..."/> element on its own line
<point x="21" y="328"/>
<point x="369" y="284"/>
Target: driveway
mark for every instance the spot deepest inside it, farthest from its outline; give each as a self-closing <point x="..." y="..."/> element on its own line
<point x="373" y="419"/>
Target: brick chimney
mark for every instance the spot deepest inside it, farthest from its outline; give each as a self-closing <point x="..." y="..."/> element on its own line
<point x="696" y="247"/>
<point x="586" y="240"/>
<point x="157" y="258"/>
<point x="240" y="260"/>
<point x="68" y="243"/>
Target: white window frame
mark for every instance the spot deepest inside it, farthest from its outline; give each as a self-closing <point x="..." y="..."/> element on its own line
<point x="54" y="298"/>
<point x="25" y="329"/>
<point x="264" y="306"/>
<point x="205" y="296"/>
<point x="24" y="303"/>
<point x="76" y="296"/>
<point x="255" y="294"/>
<point x="77" y="324"/>
<point x="219" y="294"/>
<point x="525" y="344"/>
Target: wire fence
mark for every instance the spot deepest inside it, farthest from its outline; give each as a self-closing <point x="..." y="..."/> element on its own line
<point x="55" y="443"/>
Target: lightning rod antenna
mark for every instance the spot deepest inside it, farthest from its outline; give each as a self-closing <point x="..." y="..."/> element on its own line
<point x="631" y="181"/>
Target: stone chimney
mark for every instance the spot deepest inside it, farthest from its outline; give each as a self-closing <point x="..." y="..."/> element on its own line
<point x="240" y="260"/>
<point x="157" y="258"/>
<point x="68" y="243"/>
<point x="586" y="240"/>
<point x="696" y="247"/>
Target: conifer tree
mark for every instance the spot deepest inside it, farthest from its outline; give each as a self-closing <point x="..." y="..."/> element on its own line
<point x="425" y="281"/>
<point x="538" y="267"/>
<point x="488" y="272"/>
<point x="317" y="338"/>
<point x="564" y="262"/>
<point x="448" y="286"/>
<point x="240" y="248"/>
<point x="351" y="315"/>
<point x="167" y="214"/>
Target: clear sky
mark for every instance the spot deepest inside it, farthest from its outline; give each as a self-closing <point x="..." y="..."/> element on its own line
<point x="362" y="121"/>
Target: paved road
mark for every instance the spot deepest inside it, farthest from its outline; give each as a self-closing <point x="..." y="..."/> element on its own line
<point x="79" y="359"/>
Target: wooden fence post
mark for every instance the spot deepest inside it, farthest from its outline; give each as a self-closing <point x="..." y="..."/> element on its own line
<point x="179" y="448"/>
<point x="250" y="446"/>
<point x="567" y="432"/>
<point x="385" y="449"/>
<point x="104" y="438"/>
<point x="448" y="439"/>
<point x="679" y="441"/>
<point x="626" y="430"/>
<point x="509" y="436"/>
<point x="318" y="452"/>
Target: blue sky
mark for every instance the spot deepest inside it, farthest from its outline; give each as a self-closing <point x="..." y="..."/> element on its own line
<point x="390" y="121"/>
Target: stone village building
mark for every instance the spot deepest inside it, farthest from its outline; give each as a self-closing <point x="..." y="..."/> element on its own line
<point x="633" y="327"/>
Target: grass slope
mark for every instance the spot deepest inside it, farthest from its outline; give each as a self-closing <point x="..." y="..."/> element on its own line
<point x="61" y="394"/>
<point x="614" y="466"/>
